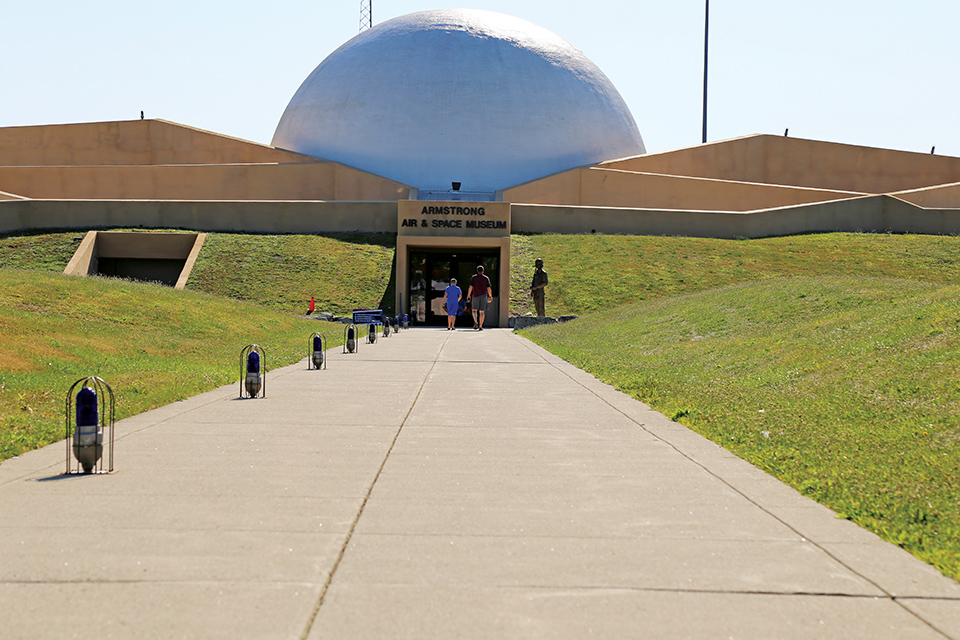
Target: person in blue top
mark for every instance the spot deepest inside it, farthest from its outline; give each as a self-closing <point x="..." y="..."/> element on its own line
<point x="453" y="295"/>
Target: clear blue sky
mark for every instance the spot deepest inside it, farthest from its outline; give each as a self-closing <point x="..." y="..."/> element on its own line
<point x="882" y="74"/>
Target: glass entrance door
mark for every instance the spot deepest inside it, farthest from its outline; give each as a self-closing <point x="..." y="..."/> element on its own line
<point x="430" y="273"/>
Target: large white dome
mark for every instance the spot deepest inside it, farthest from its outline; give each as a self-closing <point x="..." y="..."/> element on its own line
<point x="470" y="96"/>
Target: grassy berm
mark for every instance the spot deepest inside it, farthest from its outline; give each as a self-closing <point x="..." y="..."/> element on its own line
<point x="342" y="271"/>
<point x="595" y="273"/>
<point x="152" y="344"/>
<point x="846" y="388"/>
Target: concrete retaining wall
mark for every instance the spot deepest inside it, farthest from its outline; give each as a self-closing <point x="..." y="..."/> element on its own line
<point x="805" y="163"/>
<point x="614" y="188"/>
<point x="129" y="142"/>
<point x="941" y="197"/>
<point x="252" y="216"/>
<point x="304" y="181"/>
<point x="868" y="213"/>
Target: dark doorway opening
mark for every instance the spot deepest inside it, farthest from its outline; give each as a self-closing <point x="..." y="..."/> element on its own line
<point x="430" y="273"/>
<point x="164" y="271"/>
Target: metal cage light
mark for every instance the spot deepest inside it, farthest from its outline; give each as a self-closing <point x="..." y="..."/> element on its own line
<point x="94" y="408"/>
<point x="317" y="349"/>
<point x="350" y="342"/>
<point x="253" y="371"/>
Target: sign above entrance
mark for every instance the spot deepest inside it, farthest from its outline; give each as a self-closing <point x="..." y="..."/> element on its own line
<point x="453" y="218"/>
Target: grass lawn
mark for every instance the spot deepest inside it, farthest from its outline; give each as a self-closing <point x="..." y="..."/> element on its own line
<point x="594" y="273"/>
<point x="342" y="272"/>
<point x="846" y="388"/>
<point x="152" y="344"/>
<point x="587" y="273"/>
<point x="39" y="251"/>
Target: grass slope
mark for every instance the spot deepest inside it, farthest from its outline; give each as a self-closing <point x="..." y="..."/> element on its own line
<point x="593" y="273"/>
<point x="845" y="388"/>
<point x="39" y="251"/>
<point x="587" y="273"/>
<point x="342" y="272"/>
<point x="152" y="344"/>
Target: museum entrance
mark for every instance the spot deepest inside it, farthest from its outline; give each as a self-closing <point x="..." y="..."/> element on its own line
<point x="430" y="273"/>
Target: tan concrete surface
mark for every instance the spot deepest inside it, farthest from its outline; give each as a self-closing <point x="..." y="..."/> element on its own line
<point x="159" y="160"/>
<point x="10" y="196"/>
<point x="244" y="216"/>
<point x="941" y="197"/>
<point x="780" y="160"/>
<point x="602" y="187"/>
<point x="274" y="181"/>
<point x="128" y="142"/>
<point x="438" y="484"/>
<point x="871" y="213"/>
<point x="885" y="214"/>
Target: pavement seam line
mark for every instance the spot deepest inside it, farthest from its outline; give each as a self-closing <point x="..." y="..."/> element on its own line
<point x="366" y="497"/>
<point x="887" y="594"/>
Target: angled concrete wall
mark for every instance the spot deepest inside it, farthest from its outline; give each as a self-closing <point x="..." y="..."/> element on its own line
<point x="250" y="216"/>
<point x="739" y="159"/>
<point x="136" y="245"/>
<point x="868" y="213"/>
<point x="129" y="142"/>
<point x="614" y="188"/>
<point x="903" y="217"/>
<point x="943" y="197"/>
<point x="804" y="163"/>
<point x="309" y="181"/>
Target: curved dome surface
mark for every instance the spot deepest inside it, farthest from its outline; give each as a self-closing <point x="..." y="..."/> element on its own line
<point x="470" y="96"/>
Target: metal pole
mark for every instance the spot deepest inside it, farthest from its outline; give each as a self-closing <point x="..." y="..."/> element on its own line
<point x="706" y="50"/>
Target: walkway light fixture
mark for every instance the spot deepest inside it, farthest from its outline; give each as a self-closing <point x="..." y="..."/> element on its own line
<point x="318" y="345"/>
<point x="372" y="333"/>
<point x="406" y="321"/>
<point x="87" y="413"/>
<point x="253" y="378"/>
<point x="350" y="339"/>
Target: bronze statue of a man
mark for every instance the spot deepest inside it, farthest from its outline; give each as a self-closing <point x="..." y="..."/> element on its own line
<point x="537" y="286"/>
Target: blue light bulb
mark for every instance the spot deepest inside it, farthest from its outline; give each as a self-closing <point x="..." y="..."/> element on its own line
<point x="88" y="409"/>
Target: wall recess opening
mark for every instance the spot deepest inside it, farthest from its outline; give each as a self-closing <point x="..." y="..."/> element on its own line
<point x="167" y="258"/>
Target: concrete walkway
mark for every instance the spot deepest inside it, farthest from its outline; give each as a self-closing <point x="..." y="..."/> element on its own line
<point x="438" y="485"/>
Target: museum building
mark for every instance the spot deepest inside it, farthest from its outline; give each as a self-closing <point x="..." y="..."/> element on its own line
<point x="453" y="129"/>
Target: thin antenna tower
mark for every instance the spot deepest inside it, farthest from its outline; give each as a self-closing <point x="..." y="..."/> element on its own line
<point x="366" y="14"/>
<point x="706" y="50"/>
